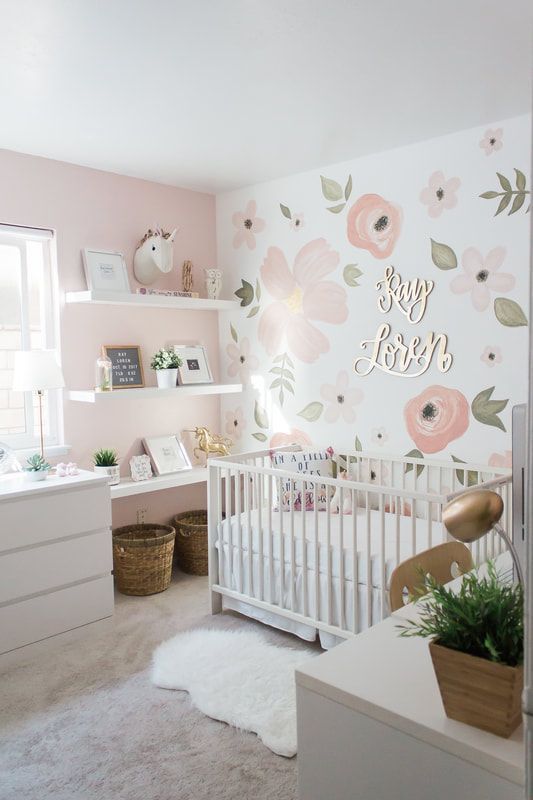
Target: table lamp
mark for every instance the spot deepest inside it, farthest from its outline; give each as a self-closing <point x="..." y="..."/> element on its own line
<point x="470" y="515"/>
<point x="35" y="371"/>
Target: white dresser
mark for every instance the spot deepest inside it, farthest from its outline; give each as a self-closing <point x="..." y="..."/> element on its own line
<point x="55" y="556"/>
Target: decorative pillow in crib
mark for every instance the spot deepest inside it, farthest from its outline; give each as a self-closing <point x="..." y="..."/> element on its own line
<point x="317" y="462"/>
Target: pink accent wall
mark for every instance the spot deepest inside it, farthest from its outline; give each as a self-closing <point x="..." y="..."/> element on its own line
<point x="90" y="208"/>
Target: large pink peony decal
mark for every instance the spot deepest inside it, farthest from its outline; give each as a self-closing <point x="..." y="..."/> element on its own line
<point x="481" y="276"/>
<point x="436" y="417"/>
<point x="248" y="224"/>
<point x="301" y="297"/>
<point x="374" y="224"/>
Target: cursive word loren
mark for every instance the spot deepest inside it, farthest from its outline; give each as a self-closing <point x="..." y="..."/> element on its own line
<point x="397" y="357"/>
<point x="411" y="297"/>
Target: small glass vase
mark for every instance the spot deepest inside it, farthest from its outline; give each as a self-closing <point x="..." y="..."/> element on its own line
<point x="104" y="374"/>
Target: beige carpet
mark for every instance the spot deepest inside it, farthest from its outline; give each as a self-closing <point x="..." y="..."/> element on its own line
<point x="83" y="722"/>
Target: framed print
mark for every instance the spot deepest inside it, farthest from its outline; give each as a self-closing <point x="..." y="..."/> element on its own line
<point x="195" y="367"/>
<point x="167" y="454"/>
<point x="127" y="365"/>
<point x="105" y="270"/>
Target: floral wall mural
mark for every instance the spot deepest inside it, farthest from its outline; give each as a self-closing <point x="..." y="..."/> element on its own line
<point x="424" y="221"/>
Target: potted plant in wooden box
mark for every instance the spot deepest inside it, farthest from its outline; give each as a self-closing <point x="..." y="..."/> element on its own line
<point x="477" y="649"/>
<point x="106" y="463"/>
<point x="166" y="363"/>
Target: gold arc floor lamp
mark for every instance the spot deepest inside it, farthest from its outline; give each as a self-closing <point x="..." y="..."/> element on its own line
<point x="471" y="515"/>
<point x="36" y="371"/>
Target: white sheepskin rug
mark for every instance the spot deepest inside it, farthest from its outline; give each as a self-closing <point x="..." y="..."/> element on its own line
<point x="235" y="677"/>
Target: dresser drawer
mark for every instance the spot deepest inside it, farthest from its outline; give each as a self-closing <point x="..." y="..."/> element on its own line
<point x="36" y="519"/>
<point x="38" y="569"/>
<point x="40" y="617"/>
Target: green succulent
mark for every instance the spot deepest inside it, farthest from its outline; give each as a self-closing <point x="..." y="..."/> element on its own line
<point x="166" y="359"/>
<point x="105" y="458"/>
<point x="37" y="463"/>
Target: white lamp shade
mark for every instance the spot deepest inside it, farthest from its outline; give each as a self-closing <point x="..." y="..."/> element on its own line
<point x="37" y="370"/>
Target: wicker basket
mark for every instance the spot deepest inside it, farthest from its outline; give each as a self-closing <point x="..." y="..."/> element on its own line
<point x="142" y="558"/>
<point x="191" y="542"/>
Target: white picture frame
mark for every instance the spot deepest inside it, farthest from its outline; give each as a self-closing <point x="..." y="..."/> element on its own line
<point x="167" y="454"/>
<point x="195" y="367"/>
<point x="105" y="270"/>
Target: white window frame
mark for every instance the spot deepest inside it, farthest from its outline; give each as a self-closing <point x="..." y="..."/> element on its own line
<point x="17" y="236"/>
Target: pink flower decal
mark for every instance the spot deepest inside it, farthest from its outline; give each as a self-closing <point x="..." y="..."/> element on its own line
<point x="379" y="436"/>
<point x="481" y="276"/>
<point x="281" y="439"/>
<point x="436" y="417"/>
<point x="440" y="193"/>
<point x="301" y="295"/>
<point x="235" y="423"/>
<point x="341" y="399"/>
<point x="491" y="356"/>
<point x="374" y="224"/>
<point x="247" y="224"/>
<point x="242" y="361"/>
<point x="501" y="459"/>
<point x="297" y="222"/>
<point x="492" y="140"/>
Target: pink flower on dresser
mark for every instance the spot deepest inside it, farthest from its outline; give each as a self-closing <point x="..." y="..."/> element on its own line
<point x="491" y="356"/>
<point x="301" y="295"/>
<point x="492" y="140"/>
<point x="243" y="363"/>
<point x="481" y="276"/>
<point x="374" y="224"/>
<point x="281" y="439"/>
<point x="341" y="399"/>
<point x="247" y="224"/>
<point x="501" y="459"/>
<point x="297" y="222"/>
<point x="235" y="423"/>
<point x="439" y="194"/>
<point x="436" y="417"/>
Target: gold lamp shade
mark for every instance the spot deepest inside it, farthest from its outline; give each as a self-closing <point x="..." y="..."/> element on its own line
<point x="472" y="514"/>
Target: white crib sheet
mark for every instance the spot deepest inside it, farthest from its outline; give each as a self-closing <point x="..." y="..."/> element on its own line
<point x="235" y="572"/>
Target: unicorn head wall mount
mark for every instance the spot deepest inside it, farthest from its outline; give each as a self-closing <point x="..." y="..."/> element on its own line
<point x="153" y="255"/>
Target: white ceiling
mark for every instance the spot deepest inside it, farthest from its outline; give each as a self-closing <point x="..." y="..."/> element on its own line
<point x="215" y="94"/>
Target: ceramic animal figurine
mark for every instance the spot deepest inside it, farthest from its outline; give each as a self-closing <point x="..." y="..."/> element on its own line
<point x="210" y="443"/>
<point x="335" y="502"/>
<point x="186" y="276"/>
<point x="153" y="255"/>
<point x="213" y="283"/>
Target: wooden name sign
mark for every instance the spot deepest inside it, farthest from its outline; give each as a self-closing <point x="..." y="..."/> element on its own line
<point x="127" y="365"/>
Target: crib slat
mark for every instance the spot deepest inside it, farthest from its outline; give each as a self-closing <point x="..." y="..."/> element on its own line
<point x="261" y="556"/>
<point x="355" y="566"/>
<point x="293" y="571"/>
<point x="328" y="563"/>
<point x="229" y="527"/>
<point x="239" y="526"/>
<point x="304" y="550"/>
<point x="368" y="562"/>
<point x="382" y="557"/>
<point x="342" y="617"/>
<point x="270" y="544"/>
<point x="316" y="553"/>
<point x="281" y="546"/>
<point x="249" y="499"/>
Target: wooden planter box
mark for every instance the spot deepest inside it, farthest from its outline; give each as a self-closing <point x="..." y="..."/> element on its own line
<point x="477" y="691"/>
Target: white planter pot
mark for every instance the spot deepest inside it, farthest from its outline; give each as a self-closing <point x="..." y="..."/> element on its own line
<point x="166" y="378"/>
<point x="34" y="476"/>
<point x="113" y="473"/>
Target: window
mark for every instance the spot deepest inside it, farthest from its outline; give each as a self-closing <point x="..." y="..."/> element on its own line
<point x="28" y="320"/>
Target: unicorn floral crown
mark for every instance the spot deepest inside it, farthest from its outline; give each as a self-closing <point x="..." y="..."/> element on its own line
<point x="156" y="232"/>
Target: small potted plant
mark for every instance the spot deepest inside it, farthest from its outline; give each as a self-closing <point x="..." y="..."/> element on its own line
<point x="477" y="649"/>
<point x="37" y="468"/>
<point x="106" y="463"/>
<point x="166" y="363"/>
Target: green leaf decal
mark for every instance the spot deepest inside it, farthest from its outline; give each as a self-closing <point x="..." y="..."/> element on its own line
<point x="517" y="195"/>
<point x="348" y="188"/>
<point x="472" y="478"/>
<point x="331" y="189"/>
<point x="257" y="290"/>
<point x="518" y="202"/>
<point x="505" y="183"/>
<point x="336" y="209"/>
<point x="509" y="313"/>
<point x="358" y="445"/>
<point x="520" y="180"/>
<point x="233" y="332"/>
<point x="285" y="210"/>
<point x="504" y="202"/>
<point x="350" y="274"/>
<point x="312" y="411"/>
<point x="419" y="467"/>
<point x="259" y="436"/>
<point x="284" y="377"/>
<point x="245" y="293"/>
<point x="442" y="255"/>
<point x="253" y="311"/>
<point x="489" y="195"/>
<point x="486" y="410"/>
<point x="260" y="416"/>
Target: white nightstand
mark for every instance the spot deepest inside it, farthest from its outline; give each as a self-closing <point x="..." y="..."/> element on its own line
<point x="55" y="556"/>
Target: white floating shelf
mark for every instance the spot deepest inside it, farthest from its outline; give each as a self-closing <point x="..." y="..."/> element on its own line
<point x="90" y="396"/>
<point x="149" y="301"/>
<point x="127" y="487"/>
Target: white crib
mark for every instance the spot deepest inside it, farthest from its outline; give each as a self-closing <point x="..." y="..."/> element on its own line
<point x="317" y="571"/>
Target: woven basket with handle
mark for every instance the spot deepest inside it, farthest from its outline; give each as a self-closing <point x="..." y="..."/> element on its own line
<point x="142" y="558"/>
<point x="191" y="541"/>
